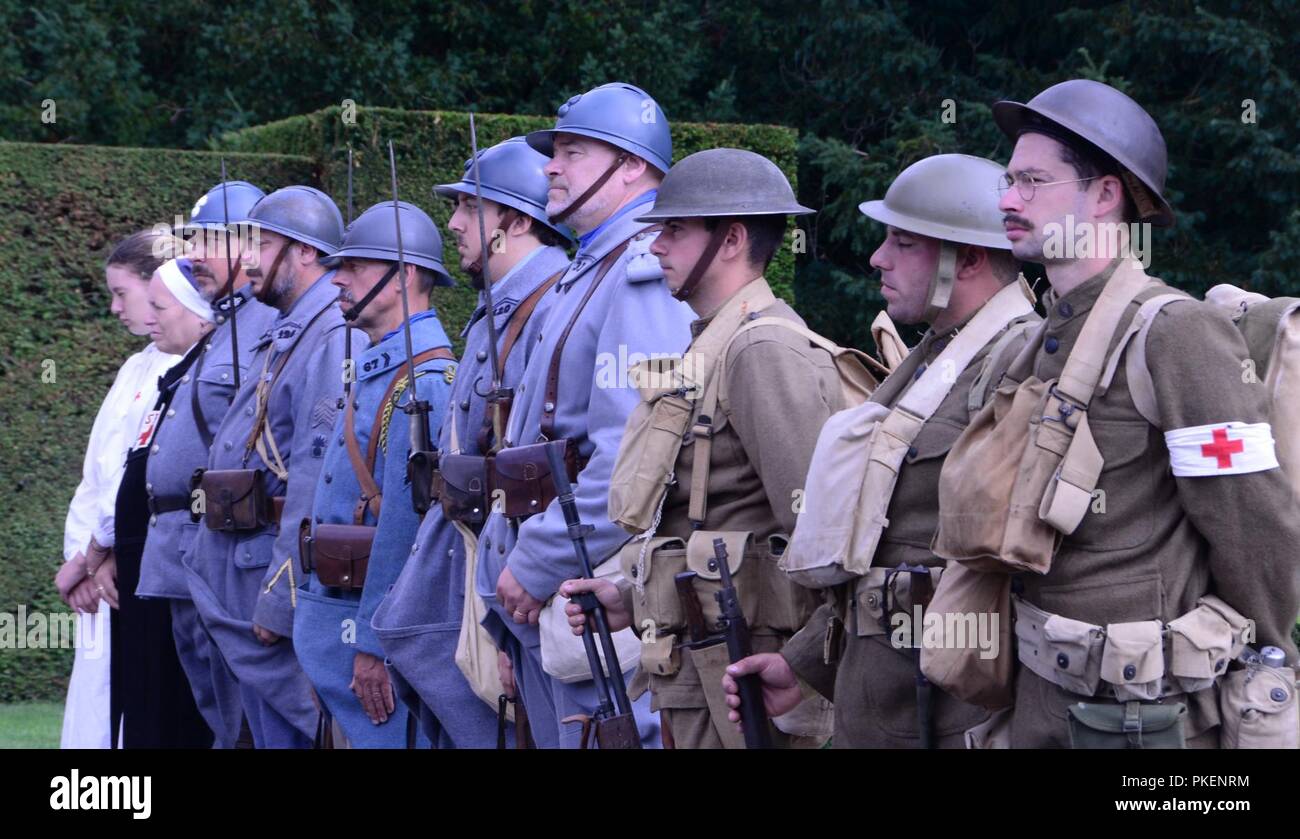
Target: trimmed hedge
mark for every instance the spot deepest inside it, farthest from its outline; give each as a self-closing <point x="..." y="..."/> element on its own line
<point x="64" y="207"/>
<point x="431" y="147"/>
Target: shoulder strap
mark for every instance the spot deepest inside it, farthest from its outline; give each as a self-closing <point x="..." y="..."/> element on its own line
<point x="1085" y="365"/>
<point x="552" y="396"/>
<point x="925" y="395"/>
<point x="993" y="362"/>
<point x="889" y="345"/>
<point x="822" y="341"/>
<point x="519" y="319"/>
<point x="1141" y="388"/>
<point x="371" y="494"/>
<point x="702" y="433"/>
<point x="264" y="387"/>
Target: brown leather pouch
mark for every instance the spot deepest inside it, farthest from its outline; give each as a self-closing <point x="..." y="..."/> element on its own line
<point x="340" y="553"/>
<point x="464" y="488"/>
<point x="523" y="474"/>
<point x="235" y="499"/>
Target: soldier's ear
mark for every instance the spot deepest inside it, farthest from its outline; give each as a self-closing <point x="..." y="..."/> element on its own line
<point x="970" y="260"/>
<point x="634" y="168"/>
<point x="1110" y="196"/>
<point x="737" y="240"/>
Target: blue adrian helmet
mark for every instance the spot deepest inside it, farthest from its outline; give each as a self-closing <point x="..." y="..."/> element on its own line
<point x="623" y="115"/>
<point x="512" y="175"/>
<point x="373" y="235"/>
<point x="211" y="208"/>
<point x="302" y="213"/>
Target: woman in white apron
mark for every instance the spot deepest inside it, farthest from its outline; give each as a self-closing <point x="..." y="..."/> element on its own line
<point x="88" y="530"/>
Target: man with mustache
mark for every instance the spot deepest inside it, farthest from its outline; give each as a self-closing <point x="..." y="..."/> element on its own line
<point x="1146" y="598"/>
<point x="363" y="518"/>
<point x="243" y="568"/>
<point x="608" y="151"/>
<point x="420" y="621"/>
<point x="944" y="263"/>
<point x="202" y="396"/>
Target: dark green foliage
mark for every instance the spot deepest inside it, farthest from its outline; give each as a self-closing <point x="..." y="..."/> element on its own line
<point x="863" y="81"/>
<point x="64" y="207"/>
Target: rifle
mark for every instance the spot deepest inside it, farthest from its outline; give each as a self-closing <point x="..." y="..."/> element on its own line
<point x="349" y="372"/>
<point x="735" y="630"/>
<point x="615" y="727"/>
<point x="230" y="279"/>
<point x="422" y="460"/>
<point x="499" y="398"/>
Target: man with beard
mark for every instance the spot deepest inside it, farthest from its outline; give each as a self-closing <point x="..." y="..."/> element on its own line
<point x="201" y="395"/>
<point x="420" y="622"/>
<point x="609" y="150"/>
<point x="242" y="568"/>
<point x="363" y="518"/>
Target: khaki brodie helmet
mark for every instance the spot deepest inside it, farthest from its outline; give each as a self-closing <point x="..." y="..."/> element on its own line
<point x="1107" y="119"/>
<point x="721" y="183"/>
<point x="949" y="197"/>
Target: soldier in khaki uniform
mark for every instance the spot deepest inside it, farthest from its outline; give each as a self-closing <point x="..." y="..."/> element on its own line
<point x="944" y="262"/>
<point x="1192" y="524"/>
<point x="724" y="214"/>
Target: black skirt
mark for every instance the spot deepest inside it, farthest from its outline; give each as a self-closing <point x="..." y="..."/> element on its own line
<point x="150" y="696"/>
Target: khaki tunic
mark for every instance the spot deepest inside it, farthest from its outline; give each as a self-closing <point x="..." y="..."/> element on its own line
<point x="1162" y="542"/>
<point x="779" y="391"/>
<point x="873" y="684"/>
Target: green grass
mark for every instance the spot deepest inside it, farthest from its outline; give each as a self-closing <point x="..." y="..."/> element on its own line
<point x="31" y="725"/>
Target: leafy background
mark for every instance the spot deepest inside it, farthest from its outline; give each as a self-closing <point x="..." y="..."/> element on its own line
<point x="864" y="84"/>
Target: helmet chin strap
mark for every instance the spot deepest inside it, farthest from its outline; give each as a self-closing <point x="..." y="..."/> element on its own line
<point x="945" y="277"/>
<point x="355" y="311"/>
<point x="591" y="190"/>
<point x="706" y="259"/>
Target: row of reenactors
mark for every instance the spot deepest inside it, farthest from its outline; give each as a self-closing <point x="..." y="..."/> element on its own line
<point x="312" y="600"/>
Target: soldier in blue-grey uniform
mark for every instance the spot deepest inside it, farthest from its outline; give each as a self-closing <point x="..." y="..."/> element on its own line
<point x="363" y="504"/>
<point x="420" y="622"/>
<point x="243" y="568"/>
<point x="202" y="396"/>
<point x="609" y="150"/>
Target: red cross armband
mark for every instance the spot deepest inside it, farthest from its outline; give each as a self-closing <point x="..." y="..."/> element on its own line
<point x="1229" y="448"/>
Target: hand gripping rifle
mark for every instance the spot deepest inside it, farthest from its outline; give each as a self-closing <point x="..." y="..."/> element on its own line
<point x="735" y="629"/>
<point x="422" y="460"/>
<point x="614" y="723"/>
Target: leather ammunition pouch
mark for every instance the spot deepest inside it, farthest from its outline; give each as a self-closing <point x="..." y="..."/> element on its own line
<point x="235" y="499"/>
<point x="338" y="553"/>
<point x="464" y="488"/>
<point x="523" y="474"/>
